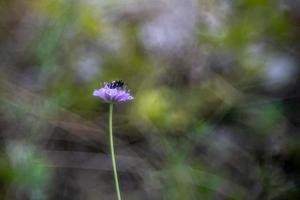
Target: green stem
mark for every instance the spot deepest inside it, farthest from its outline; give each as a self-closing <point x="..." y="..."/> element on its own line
<point x="112" y="151"/>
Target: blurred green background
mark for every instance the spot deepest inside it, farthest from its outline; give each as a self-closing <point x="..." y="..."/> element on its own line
<point x="216" y="109"/>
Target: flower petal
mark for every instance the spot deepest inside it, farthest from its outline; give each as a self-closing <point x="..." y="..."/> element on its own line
<point x="113" y="95"/>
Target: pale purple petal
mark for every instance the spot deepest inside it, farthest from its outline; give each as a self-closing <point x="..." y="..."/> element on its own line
<point x="113" y="95"/>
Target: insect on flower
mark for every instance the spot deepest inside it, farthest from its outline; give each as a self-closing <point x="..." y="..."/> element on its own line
<point x="114" y="92"/>
<point x="116" y="84"/>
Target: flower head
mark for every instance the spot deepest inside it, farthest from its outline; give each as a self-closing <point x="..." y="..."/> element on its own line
<point x="113" y="92"/>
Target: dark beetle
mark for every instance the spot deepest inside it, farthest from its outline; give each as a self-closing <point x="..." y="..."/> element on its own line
<point x="115" y="84"/>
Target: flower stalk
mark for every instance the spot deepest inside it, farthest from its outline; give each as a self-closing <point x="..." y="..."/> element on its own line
<point x="112" y="151"/>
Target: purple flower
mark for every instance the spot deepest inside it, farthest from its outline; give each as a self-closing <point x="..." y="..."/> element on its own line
<point x="113" y="92"/>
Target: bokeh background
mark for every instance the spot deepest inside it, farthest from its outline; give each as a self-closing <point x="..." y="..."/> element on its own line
<point x="216" y="109"/>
